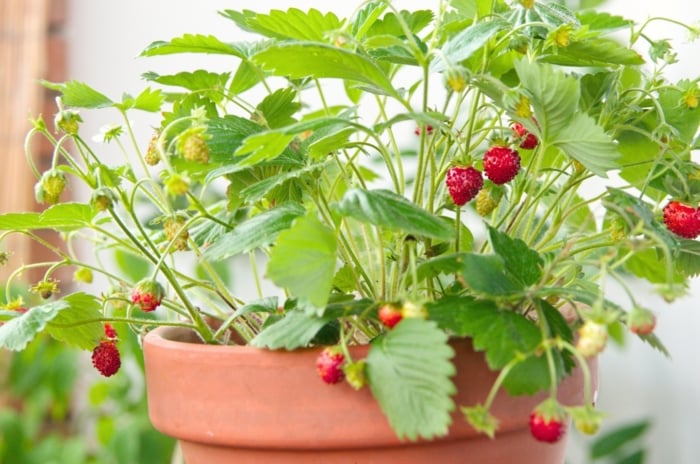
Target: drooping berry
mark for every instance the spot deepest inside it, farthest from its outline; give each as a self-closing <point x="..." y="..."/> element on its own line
<point x="549" y="430"/>
<point x="45" y="288"/>
<point x="641" y="321"/>
<point x="487" y="200"/>
<point x="411" y="310"/>
<point x="83" y="274"/>
<point x="68" y="121"/>
<point x="329" y="365"/>
<point x="389" y="315"/>
<point x="428" y="130"/>
<point x="110" y="331"/>
<point x="463" y="183"/>
<point x="49" y="188"/>
<point x="193" y="145"/>
<point x="147" y="294"/>
<point x="106" y="359"/>
<point x="682" y="220"/>
<point x="152" y="156"/>
<point x="592" y="338"/>
<point x="176" y="232"/>
<point x="103" y="199"/>
<point x="501" y="164"/>
<point x="355" y="374"/>
<point x="527" y="139"/>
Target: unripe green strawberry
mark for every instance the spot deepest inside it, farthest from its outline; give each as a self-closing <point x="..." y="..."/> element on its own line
<point x="176" y="232"/>
<point x="152" y="156"/>
<point x="592" y="338"/>
<point x="106" y="358"/>
<point x="641" y="321"/>
<point x="410" y="310"/>
<point x="83" y="274"/>
<point x="487" y="200"/>
<point x="147" y="294"/>
<point x="586" y="419"/>
<point x="329" y="365"/>
<point x="68" y="121"/>
<point x="50" y="187"/>
<point x="193" y="146"/>
<point x="46" y="288"/>
<point x="103" y="199"/>
<point x="355" y="374"/>
<point x="176" y="184"/>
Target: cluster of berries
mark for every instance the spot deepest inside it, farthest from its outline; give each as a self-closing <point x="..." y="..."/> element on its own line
<point x="501" y="165"/>
<point x="147" y="295"/>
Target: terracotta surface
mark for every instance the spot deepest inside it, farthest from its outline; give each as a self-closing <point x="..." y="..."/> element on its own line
<point x="244" y="405"/>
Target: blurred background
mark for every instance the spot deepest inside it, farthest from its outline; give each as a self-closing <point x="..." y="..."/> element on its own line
<point x="44" y="392"/>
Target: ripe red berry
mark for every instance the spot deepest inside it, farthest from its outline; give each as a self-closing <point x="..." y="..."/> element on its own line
<point x="428" y="130"/>
<point x="106" y="359"/>
<point x="682" y="220"/>
<point x="501" y="164"/>
<point x="110" y="331"/>
<point x="528" y="140"/>
<point x="329" y="365"/>
<point x="641" y="321"/>
<point x="547" y="430"/>
<point x="463" y="184"/>
<point x="147" y="294"/>
<point x="390" y="315"/>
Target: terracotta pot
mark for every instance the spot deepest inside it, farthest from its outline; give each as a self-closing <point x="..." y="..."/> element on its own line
<point x="245" y="405"/>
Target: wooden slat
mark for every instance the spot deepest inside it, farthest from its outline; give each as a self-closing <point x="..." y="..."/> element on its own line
<point x="23" y="33"/>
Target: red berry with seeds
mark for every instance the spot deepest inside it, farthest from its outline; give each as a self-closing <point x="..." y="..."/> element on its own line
<point x="147" y="295"/>
<point x="329" y="365"/>
<point x="549" y="430"/>
<point x="501" y="164"/>
<point x="463" y="183"/>
<point x="527" y="139"/>
<point x="106" y="359"/>
<point x="682" y="220"/>
<point x="390" y="315"/>
<point x="110" y="331"/>
<point x="428" y="130"/>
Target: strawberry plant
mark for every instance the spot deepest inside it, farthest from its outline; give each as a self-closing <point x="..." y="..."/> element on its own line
<point x="394" y="178"/>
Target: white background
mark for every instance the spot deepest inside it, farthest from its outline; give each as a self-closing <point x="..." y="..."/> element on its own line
<point x="636" y="382"/>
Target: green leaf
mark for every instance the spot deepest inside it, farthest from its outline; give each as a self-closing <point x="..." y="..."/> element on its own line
<point x="611" y="442"/>
<point x="384" y="208"/>
<point x="69" y="327"/>
<point x="227" y="134"/>
<point x="521" y="261"/>
<point x="258" y="190"/>
<point x="294" y="24"/>
<point x="688" y="261"/>
<point x="257" y="231"/>
<point x="389" y="25"/>
<point x="246" y="77"/>
<point x="366" y="17"/>
<point x="594" y="52"/>
<point x="528" y="377"/>
<point x="192" y="43"/>
<point x="488" y="275"/>
<point x="17" y="332"/>
<point x="263" y="146"/>
<point x="196" y="81"/>
<point x="602" y="21"/>
<point x="501" y="334"/>
<point x="303" y="260"/>
<point x="464" y="44"/>
<point x="295" y="330"/>
<point x="80" y="95"/>
<point x="587" y="142"/>
<point x="134" y="267"/>
<point x="554" y="95"/>
<point x="307" y="59"/>
<point x="149" y="100"/>
<point x="278" y="107"/>
<point x="409" y="370"/>
<point x="64" y="217"/>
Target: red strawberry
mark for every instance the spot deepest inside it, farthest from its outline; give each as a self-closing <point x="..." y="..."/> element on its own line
<point x="329" y="365"/>
<point x="501" y="164"/>
<point x="549" y="431"/>
<point x="105" y="358"/>
<point x="147" y="294"/>
<point x="682" y="220"/>
<point x="528" y="140"/>
<point x="428" y="130"/>
<point x="110" y="331"/>
<point x="390" y="315"/>
<point x="463" y="183"/>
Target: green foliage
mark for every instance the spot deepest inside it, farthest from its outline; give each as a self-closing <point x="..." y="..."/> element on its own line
<point x="411" y="365"/>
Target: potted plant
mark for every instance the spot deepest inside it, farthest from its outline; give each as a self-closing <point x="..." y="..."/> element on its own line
<point x="412" y="192"/>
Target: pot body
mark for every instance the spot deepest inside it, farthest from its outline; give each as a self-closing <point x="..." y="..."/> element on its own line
<point x="245" y="405"/>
